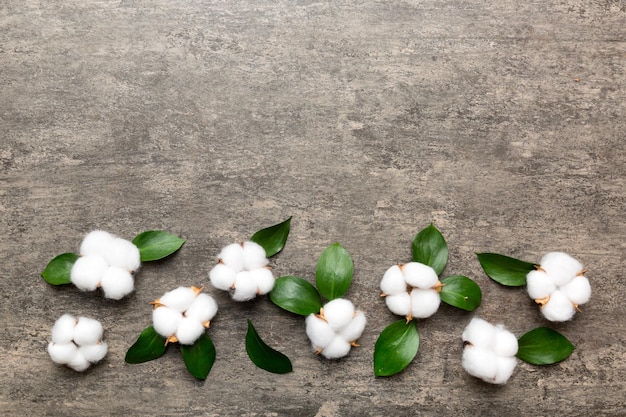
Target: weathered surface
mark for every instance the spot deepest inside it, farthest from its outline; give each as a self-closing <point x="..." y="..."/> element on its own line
<point x="501" y="122"/>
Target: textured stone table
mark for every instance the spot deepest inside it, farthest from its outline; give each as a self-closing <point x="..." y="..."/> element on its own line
<point x="503" y="123"/>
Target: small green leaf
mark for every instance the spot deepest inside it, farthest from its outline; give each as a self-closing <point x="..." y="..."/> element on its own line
<point x="264" y="356"/>
<point x="199" y="357"/>
<point x="395" y="348"/>
<point x="430" y="248"/>
<point x="460" y="292"/>
<point x="333" y="273"/>
<point x="544" y="346"/>
<point x="273" y="238"/>
<point x="157" y="244"/>
<point x="296" y="296"/>
<point x="505" y="270"/>
<point x="150" y="345"/>
<point x="59" y="269"/>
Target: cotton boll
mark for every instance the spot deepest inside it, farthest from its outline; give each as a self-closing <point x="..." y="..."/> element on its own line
<point x="94" y="353"/>
<point x="179" y="299"/>
<point x="123" y="254"/>
<point x="87" y="331"/>
<point x="254" y="256"/>
<point x="87" y="272"/>
<point x="561" y="267"/>
<point x="559" y="307"/>
<point x="62" y="353"/>
<point x="355" y="328"/>
<point x="96" y="243"/>
<point x="78" y="363"/>
<point x="232" y="256"/>
<point x="117" y="283"/>
<point x="189" y="330"/>
<point x="165" y="320"/>
<point x="318" y="331"/>
<point x="399" y="304"/>
<point x="479" y="333"/>
<point x="578" y="290"/>
<point x="505" y="343"/>
<point x="245" y="287"/>
<point x="393" y="281"/>
<point x="480" y="362"/>
<point x="424" y="303"/>
<point x="505" y="367"/>
<point x="338" y="348"/>
<point x="63" y="329"/>
<point x="338" y="313"/>
<point x="539" y="285"/>
<point x="222" y="277"/>
<point x="202" y="309"/>
<point x="419" y="275"/>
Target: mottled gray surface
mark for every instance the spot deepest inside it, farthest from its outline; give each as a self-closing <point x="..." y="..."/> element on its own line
<point x="502" y="122"/>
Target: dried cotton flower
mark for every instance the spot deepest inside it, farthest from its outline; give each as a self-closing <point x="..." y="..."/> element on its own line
<point x="242" y="269"/>
<point x="77" y="343"/>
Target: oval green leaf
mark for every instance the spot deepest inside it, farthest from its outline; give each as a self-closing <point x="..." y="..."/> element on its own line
<point x="58" y="270"/>
<point x="505" y="270"/>
<point x="157" y="244"/>
<point x="395" y="348"/>
<point x="544" y="346"/>
<point x="296" y="295"/>
<point x="273" y="238"/>
<point x="430" y="248"/>
<point x="199" y="357"/>
<point x="264" y="356"/>
<point x="461" y="292"/>
<point x="333" y="273"/>
<point x="150" y="345"/>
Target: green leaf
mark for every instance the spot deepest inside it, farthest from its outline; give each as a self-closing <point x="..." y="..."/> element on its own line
<point x="296" y="296"/>
<point x="150" y="345"/>
<point x="58" y="270"/>
<point x="264" y="356"/>
<point x="395" y="348"/>
<point x="157" y="244"/>
<point x="273" y="238"/>
<point x="460" y="292"/>
<point x="333" y="274"/>
<point x="544" y="346"/>
<point x="430" y="248"/>
<point x="505" y="270"/>
<point x="199" y="357"/>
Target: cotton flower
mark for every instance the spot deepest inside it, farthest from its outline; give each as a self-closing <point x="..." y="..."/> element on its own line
<point x="242" y="269"/>
<point x="489" y="353"/>
<point x="335" y="329"/>
<point x="182" y="315"/>
<point x="558" y="284"/>
<point x="77" y="343"/>
<point x="106" y="262"/>
<point x="411" y="290"/>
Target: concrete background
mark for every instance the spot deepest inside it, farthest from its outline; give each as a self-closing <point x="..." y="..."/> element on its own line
<point x="500" y="121"/>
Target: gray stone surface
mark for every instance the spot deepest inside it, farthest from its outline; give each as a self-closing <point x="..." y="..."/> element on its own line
<point x="501" y="122"/>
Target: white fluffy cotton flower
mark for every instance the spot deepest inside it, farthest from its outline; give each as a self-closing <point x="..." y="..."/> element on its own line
<point x="335" y="329"/>
<point x="106" y="262"/>
<point x="182" y="315"/>
<point x="77" y="343"/>
<point x="242" y="269"/>
<point x="489" y="353"/>
<point x="559" y="286"/>
<point x="411" y="290"/>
